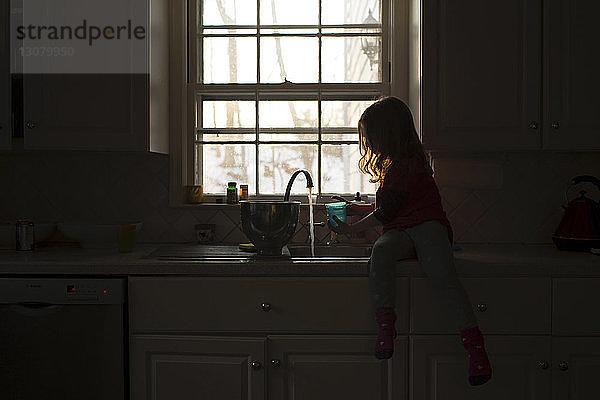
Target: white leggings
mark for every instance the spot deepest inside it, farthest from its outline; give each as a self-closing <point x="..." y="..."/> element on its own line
<point x="429" y="242"/>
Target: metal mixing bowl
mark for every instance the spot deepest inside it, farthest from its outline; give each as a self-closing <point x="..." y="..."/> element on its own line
<point x="269" y="224"/>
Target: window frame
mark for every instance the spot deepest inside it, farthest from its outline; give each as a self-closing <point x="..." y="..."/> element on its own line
<point x="183" y="91"/>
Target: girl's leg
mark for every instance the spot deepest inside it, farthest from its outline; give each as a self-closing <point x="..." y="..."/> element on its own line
<point x="436" y="257"/>
<point x="390" y="247"/>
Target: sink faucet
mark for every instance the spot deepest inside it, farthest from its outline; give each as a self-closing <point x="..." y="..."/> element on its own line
<point x="309" y="183"/>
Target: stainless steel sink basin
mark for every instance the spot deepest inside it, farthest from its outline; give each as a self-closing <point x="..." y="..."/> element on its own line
<point x="338" y="251"/>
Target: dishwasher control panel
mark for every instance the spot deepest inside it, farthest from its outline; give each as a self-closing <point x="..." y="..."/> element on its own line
<point x="62" y="290"/>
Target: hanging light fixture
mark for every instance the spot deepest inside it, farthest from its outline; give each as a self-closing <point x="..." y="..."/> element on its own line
<point x="370" y="44"/>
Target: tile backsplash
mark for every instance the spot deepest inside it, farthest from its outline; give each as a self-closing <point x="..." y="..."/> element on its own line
<point x="497" y="197"/>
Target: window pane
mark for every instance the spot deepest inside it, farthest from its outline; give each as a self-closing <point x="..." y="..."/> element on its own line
<point x="224" y="163"/>
<point x="293" y="58"/>
<point x="228" y="114"/>
<point x="232" y="12"/>
<point x="288" y="114"/>
<point x="340" y="173"/>
<point x="342" y="113"/>
<point x="278" y="163"/>
<point x="338" y="12"/>
<point x="351" y="59"/>
<point x="229" y="60"/>
<point x="289" y="12"/>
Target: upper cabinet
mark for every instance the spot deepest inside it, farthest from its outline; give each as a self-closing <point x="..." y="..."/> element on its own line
<point x="571" y="78"/>
<point x="483" y="69"/>
<point x="5" y="108"/>
<point x="85" y="111"/>
<point x="113" y="96"/>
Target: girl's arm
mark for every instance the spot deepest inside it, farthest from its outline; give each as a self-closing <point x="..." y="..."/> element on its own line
<point x="369" y="221"/>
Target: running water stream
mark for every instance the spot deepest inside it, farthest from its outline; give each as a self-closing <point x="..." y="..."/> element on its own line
<point x="310" y="223"/>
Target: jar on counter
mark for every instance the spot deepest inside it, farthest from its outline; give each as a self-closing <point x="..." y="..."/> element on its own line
<point x="232" y="195"/>
<point x="243" y="192"/>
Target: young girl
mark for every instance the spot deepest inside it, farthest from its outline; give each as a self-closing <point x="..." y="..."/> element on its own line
<point x="408" y="205"/>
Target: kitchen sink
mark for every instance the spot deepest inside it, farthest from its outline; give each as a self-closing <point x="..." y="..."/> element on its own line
<point x="338" y="251"/>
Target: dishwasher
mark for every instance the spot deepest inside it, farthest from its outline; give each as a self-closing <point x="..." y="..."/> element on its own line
<point x="62" y="338"/>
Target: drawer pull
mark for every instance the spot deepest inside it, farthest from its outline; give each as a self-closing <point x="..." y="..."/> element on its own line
<point x="542" y="364"/>
<point x="275" y="363"/>
<point x="256" y="365"/>
<point x="266" y="306"/>
<point x="563" y="366"/>
<point x="481" y="307"/>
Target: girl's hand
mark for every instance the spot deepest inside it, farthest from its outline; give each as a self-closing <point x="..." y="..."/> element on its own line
<point x="341" y="227"/>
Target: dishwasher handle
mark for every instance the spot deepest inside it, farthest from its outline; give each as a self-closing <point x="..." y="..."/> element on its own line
<point x="36" y="305"/>
<point x="35" y="308"/>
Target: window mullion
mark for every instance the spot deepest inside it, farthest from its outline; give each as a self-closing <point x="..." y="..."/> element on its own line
<point x="319" y="115"/>
<point x="257" y="98"/>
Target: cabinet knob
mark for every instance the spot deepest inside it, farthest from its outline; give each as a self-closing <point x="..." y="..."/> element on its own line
<point x="533" y="125"/>
<point x="266" y="306"/>
<point x="31" y="124"/>
<point x="542" y="364"/>
<point x="563" y="366"/>
<point x="275" y="363"/>
<point x="256" y="365"/>
<point x="481" y="307"/>
<point x="555" y="125"/>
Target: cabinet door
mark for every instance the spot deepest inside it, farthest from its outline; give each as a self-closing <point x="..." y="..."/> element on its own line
<point x="575" y="303"/>
<point x="575" y="368"/>
<point x="439" y="369"/>
<point x="85" y="111"/>
<point x="5" y="104"/>
<point x="572" y="82"/>
<point x="481" y="74"/>
<point x="334" y="367"/>
<point x="188" y="367"/>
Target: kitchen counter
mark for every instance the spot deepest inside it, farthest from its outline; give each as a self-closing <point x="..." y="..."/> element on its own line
<point x="471" y="260"/>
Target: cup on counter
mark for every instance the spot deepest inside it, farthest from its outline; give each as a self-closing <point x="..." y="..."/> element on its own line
<point x="205" y="233"/>
<point x="337" y="209"/>
<point x="194" y="194"/>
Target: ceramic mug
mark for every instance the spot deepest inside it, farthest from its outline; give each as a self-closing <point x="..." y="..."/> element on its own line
<point x="205" y="233"/>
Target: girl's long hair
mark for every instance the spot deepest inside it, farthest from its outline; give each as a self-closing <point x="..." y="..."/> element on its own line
<point x="387" y="136"/>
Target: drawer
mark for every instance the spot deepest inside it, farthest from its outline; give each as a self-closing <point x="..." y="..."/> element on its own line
<point x="576" y="302"/>
<point x="501" y="305"/>
<point x="307" y="304"/>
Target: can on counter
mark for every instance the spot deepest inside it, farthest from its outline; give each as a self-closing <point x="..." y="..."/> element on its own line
<point x="24" y="233"/>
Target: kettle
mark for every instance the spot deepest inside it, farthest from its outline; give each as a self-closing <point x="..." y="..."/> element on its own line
<point x="579" y="228"/>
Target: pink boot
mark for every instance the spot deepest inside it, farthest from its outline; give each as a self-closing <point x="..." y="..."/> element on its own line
<point x="480" y="370"/>
<point x="386" y="332"/>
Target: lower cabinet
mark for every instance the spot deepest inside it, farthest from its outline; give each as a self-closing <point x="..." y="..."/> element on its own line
<point x="290" y="367"/>
<point x="312" y="338"/>
<point x="334" y="367"/>
<point x="575" y="368"/>
<point x="520" y="364"/>
<point x="197" y="367"/>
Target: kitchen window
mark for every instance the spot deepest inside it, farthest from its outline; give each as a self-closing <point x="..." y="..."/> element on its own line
<point x="279" y="85"/>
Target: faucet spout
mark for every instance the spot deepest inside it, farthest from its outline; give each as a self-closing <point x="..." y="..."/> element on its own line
<point x="309" y="182"/>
